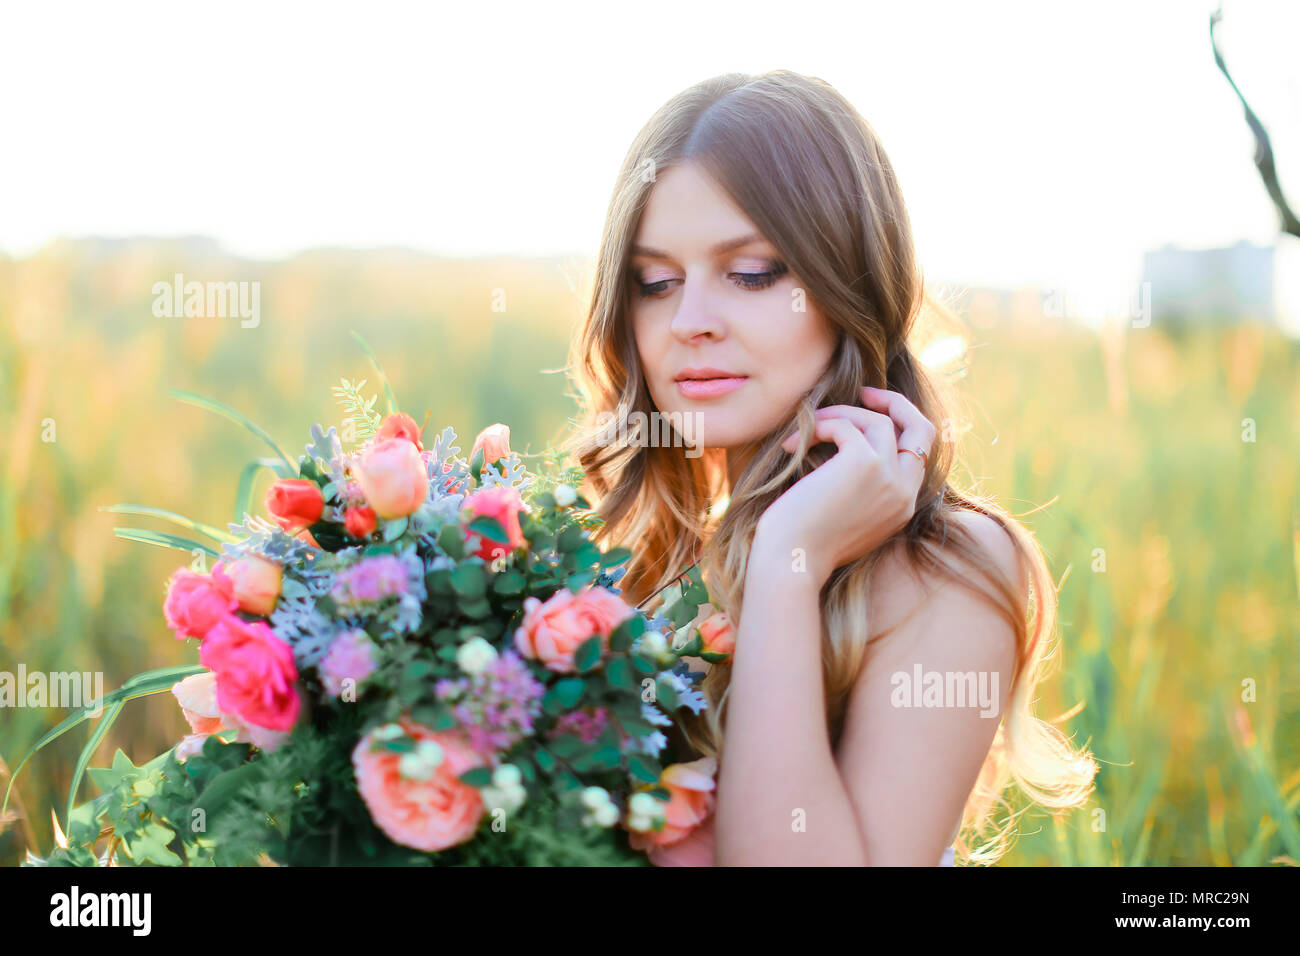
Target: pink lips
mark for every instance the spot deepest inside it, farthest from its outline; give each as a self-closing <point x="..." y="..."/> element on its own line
<point x="709" y="387"/>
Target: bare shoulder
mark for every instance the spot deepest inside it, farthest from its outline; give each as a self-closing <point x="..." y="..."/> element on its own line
<point x="902" y="591"/>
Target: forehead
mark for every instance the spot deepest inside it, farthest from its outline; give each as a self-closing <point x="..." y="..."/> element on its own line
<point x="688" y="213"/>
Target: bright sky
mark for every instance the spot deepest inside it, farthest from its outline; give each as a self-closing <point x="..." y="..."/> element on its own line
<point x="1043" y="142"/>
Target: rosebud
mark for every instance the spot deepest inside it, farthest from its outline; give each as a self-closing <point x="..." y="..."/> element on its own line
<point x="295" y="503"/>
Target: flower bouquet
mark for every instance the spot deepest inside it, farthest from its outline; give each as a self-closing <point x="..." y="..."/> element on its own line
<point x="421" y="659"/>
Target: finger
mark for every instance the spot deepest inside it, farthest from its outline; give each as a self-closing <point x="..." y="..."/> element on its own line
<point x="880" y="430"/>
<point x="840" y="431"/>
<point x="916" y="431"/>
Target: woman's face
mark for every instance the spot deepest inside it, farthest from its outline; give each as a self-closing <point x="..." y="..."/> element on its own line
<point x="703" y="301"/>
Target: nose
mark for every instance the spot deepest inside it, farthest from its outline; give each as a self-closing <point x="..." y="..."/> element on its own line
<point x="696" y="315"/>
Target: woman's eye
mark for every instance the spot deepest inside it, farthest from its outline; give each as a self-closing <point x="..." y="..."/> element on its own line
<point x="752" y="281"/>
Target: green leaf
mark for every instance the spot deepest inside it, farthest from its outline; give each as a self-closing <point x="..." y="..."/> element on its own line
<point x="614" y="556"/>
<point x="576" y="582"/>
<point x="566" y="746"/>
<point x="563" y="695"/>
<point x="215" y="533"/>
<point x="643" y="767"/>
<point x="469" y="580"/>
<point x="477" y="776"/>
<point x="509" y="582"/>
<point x="224" y="410"/>
<point x="489" y="528"/>
<point x="162" y="539"/>
<point x="587" y="656"/>
<point x="569" y="539"/>
<point x="390" y="401"/>
<point x="452" y="541"/>
<point x="394" y="529"/>
<point x="619" y="673"/>
<point x="545" y="761"/>
<point x="666" y="695"/>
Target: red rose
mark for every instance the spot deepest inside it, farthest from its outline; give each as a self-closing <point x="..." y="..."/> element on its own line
<point x="400" y="425"/>
<point x="295" y="503"/>
<point x="360" y="521"/>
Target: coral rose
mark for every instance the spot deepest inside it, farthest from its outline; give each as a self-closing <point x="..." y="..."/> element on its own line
<point x="503" y="503"/>
<point x="691" y="786"/>
<point x="256" y="582"/>
<point x="552" y="631"/>
<point x="495" y="442"/>
<point x="393" y="478"/>
<point x="717" y="634"/>
<point x="196" y="602"/>
<point x="295" y="503"/>
<point x="255" y="673"/>
<point x="427" y="814"/>
<point x="400" y="425"/>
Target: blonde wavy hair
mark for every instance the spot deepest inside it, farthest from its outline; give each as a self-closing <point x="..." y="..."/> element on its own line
<point x="809" y="171"/>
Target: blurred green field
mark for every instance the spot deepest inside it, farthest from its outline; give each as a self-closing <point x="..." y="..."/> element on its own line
<point x="1136" y="440"/>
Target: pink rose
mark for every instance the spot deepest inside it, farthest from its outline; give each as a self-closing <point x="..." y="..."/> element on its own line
<point x="717" y="634"/>
<point x="552" y="631"/>
<point x="197" y="695"/>
<point x="430" y="814"/>
<point x="691" y="786"/>
<point x="393" y="477"/>
<point x="195" y="602"/>
<point x="495" y="442"/>
<point x="503" y="503"/>
<point x="255" y="673"/>
<point x="257" y="583"/>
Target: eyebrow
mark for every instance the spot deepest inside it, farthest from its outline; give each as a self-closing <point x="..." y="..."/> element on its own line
<point x="725" y="246"/>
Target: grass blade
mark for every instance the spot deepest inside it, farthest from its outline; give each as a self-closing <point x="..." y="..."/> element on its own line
<point x="88" y="751"/>
<point x="227" y="412"/>
<point x="212" y="532"/>
<point x="389" y="399"/>
<point x="141" y="685"/>
<point x="164" y="540"/>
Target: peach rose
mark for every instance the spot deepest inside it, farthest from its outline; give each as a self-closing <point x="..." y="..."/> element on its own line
<point x="692" y="798"/>
<point x="503" y="503"/>
<point x="196" y="602"/>
<point x="718" y="635"/>
<point x="495" y="442"/>
<point x="197" y="695"/>
<point x="427" y="814"/>
<point x="256" y="582"/>
<point x="255" y="673"/>
<point x="400" y="425"/>
<point x="295" y="503"/>
<point x="552" y="631"/>
<point x="393" y="478"/>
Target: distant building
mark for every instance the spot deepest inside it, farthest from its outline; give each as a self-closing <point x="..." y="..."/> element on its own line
<point x="1236" y="283"/>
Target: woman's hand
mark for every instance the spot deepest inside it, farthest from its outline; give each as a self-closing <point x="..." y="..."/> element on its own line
<point x="856" y="500"/>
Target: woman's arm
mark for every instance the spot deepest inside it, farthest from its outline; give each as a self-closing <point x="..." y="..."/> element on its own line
<point x="893" y="792"/>
<point x="781" y="801"/>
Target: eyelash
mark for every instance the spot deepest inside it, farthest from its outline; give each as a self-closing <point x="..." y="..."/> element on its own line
<point x="750" y="281"/>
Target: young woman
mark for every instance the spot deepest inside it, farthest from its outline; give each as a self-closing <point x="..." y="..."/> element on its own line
<point x="756" y="286"/>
